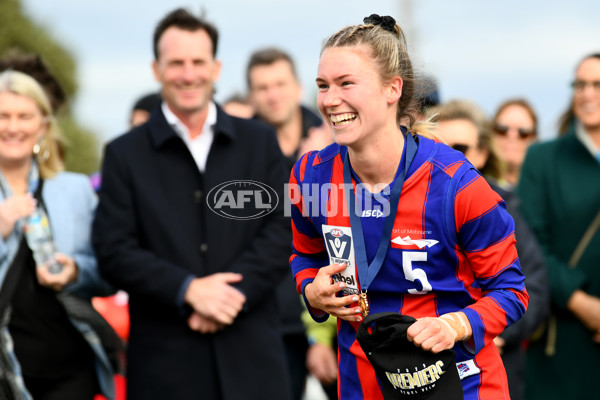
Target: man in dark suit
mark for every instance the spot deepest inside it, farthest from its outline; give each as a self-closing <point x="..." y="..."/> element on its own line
<point x="190" y="225"/>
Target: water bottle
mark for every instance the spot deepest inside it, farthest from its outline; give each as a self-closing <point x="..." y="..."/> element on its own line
<point x="39" y="238"/>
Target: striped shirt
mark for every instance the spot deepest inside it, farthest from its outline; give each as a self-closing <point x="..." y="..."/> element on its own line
<point x="452" y="249"/>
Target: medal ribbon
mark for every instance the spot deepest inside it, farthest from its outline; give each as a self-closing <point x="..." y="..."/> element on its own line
<point x="367" y="272"/>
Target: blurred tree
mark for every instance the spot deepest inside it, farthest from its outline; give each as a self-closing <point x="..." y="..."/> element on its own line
<point x="19" y="35"/>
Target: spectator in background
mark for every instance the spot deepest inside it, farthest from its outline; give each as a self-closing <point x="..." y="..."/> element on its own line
<point x="275" y="93"/>
<point x="53" y="343"/>
<point x="321" y="357"/>
<point x="142" y="109"/>
<point x="34" y="66"/>
<point x="464" y="127"/>
<point x="238" y="106"/>
<point x="515" y="129"/>
<point x="204" y="323"/>
<point x="428" y="96"/>
<point x="115" y="309"/>
<point x="560" y="193"/>
<point x="140" y="113"/>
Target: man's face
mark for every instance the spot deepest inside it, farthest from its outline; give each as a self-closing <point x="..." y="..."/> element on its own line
<point x="274" y="92"/>
<point x="186" y="69"/>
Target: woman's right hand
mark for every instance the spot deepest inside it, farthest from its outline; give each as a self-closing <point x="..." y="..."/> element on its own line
<point x="321" y="361"/>
<point x="321" y="294"/>
<point x="13" y="209"/>
<point x="587" y="308"/>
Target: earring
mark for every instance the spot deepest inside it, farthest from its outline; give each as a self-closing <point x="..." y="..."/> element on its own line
<point x="45" y="153"/>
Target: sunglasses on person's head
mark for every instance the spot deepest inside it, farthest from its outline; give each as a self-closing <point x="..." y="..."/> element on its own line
<point x="461" y="147"/>
<point x="524" y="133"/>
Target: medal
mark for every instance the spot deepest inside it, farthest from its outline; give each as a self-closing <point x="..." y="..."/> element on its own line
<point x="363" y="302"/>
<point x="366" y="271"/>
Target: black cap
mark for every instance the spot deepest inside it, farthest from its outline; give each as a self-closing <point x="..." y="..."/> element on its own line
<point x="404" y="370"/>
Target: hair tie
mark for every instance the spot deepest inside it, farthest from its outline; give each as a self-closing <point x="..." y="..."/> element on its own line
<point x="386" y="22"/>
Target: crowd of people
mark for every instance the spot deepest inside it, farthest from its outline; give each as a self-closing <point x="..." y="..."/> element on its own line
<point x="388" y="199"/>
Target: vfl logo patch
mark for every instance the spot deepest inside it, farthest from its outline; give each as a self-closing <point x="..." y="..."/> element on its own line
<point x="420" y="243"/>
<point x="338" y="241"/>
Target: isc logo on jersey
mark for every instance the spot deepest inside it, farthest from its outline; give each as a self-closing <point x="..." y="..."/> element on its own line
<point x="338" y="241"/>
<point x="372" y="213"/>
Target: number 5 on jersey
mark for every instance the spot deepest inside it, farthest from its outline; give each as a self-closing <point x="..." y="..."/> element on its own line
<point x="415" y="274"/>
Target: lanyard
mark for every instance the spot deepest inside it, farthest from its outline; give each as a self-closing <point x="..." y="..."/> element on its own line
<point x="367" y="272"/>
<point x="32" y="182"/>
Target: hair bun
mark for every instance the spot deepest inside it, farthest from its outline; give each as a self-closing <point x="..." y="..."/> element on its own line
<point x="386" y="22"/>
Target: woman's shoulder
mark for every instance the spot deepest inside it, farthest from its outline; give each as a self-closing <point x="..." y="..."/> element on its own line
<point x="69" y="182"/>
<point x="70" y="178"/>
<point x="444" y="157"/>
<point x="555" y="144"/>
<point x="313" y="158"/>
<point x="316" y="165"/>
<point x="541" y="153"/>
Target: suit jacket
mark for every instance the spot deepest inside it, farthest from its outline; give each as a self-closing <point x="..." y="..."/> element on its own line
<point x="153" y="228"/>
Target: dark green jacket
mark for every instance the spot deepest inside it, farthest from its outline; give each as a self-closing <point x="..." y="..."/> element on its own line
<point x="560" y="195"/>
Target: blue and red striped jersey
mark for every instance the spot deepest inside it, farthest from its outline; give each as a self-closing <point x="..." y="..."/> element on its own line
<point x="452" y="248"/>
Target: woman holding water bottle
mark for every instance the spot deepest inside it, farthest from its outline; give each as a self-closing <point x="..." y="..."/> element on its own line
<point x="46" y="259"/>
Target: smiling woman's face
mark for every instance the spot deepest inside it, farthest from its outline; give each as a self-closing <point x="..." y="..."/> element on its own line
<point x="511" y="127"/>
<point x="586" y="101"/>
<point x="351" y="96"/>
<point x="21" y="126"/>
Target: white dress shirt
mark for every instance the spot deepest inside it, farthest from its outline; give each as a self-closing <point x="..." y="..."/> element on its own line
<point x="200" y="146"/>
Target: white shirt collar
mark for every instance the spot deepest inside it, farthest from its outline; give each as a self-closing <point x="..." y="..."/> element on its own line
<point x="181" y="129"/>
<point x="199" y="147"/>
<point x="585" y="138"/>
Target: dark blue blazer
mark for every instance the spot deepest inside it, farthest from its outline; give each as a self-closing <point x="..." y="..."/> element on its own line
<point x="153" y="228"/>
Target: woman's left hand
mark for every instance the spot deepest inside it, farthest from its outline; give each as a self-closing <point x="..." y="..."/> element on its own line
<point x="58" y="281"/>
<point x="431" y="334"/>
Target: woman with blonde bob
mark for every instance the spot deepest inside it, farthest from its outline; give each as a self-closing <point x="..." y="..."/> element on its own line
<point x="49" y="357"/>
<point x="425" y="236"/>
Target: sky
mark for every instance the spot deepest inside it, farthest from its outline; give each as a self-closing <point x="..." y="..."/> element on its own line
<point x="482" y="51"/>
